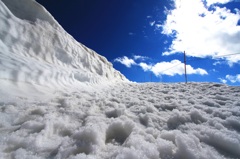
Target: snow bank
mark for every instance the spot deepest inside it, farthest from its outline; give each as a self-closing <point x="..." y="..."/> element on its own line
<point x="35" y="50"/>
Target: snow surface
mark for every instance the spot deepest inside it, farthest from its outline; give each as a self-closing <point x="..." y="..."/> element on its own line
<point x="59" y="99"/>
<point x="36" y="51"/>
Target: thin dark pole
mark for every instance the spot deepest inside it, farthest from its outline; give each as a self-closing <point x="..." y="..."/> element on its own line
<point x="185" y="67"/>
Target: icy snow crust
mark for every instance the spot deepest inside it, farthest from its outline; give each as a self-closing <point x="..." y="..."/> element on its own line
<point x="59" y="99"/>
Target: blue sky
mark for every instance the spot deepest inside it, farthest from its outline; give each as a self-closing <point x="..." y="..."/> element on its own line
<point x="145" y="39"/>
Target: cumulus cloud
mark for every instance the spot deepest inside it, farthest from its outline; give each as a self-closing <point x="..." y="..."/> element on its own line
<point x="125" y="61"/>
<point x="145" y="66"/>
<point x="210" y="2"/>
<point x="175" y="67"/>
<point x="233" y="79"/>
<point x="172" y="68"/>
<point x="202" y="32"/>
<point x="128" y="62"/>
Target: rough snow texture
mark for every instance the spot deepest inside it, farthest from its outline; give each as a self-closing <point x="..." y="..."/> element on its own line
<point x="128" y="120"/>
<point x="59" y="99"/>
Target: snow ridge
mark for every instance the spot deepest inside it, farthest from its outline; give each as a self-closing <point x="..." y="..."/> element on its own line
<point x="29" y="10"/>
<point x="36" y="50"/>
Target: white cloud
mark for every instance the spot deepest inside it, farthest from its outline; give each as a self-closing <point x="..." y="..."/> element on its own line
<point x="233" y="79"/>
<point x="217" y="63"/>
<point x="128" y="62"/>
<point x="210" y="2"/>
<point x="139" y="57"/>
<point x="201" y="32"/>
<point x="223" y="80"/>
<point x="165" y="42"/>
<point x="125" y="61"/>
<point x="158" y="26"/>
<point x="171" y="68"/>
<point x="214" y="70"/>
<point x="145" y="66"/>
<point x="152" y="23"/>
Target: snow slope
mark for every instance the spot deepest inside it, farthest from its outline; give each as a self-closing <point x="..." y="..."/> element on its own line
<point x="35" y="50"/>
<point x="59" y="99"/>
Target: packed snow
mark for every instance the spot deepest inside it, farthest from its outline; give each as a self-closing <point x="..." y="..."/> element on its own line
<point x="60" y="99"/>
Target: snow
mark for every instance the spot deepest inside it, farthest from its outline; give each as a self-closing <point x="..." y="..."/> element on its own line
<point x="60" y="99"/>
<point x="36" y="51"/>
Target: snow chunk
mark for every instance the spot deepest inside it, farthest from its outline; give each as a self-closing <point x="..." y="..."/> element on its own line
<point x="225" y="142"/>
<point x="85" y="141"/>
<point x="118" y="132"/>
<point x="188" y="146"/>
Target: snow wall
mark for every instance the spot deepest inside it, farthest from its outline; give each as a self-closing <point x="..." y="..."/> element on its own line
<point x="36" y="50"/>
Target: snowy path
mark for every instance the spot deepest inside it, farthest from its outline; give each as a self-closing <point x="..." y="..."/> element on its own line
<point x="125" y="120"/>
